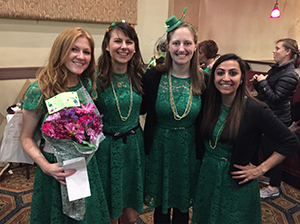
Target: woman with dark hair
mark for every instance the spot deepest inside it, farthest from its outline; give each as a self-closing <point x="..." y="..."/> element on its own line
<point x="208" y="52"/>
<point x="231" y="126"/>
<point x="121" y="154"/>
<point x="172" y="102"/>
<point x="70" y="67"/>
<point x="276" y="89"/>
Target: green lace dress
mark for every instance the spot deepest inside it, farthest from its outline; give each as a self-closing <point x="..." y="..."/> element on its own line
<point x="217" y="199"/>
<point x="171" y="166"/>
<point x="121" y="165"/>
<point x="46" y="205"/>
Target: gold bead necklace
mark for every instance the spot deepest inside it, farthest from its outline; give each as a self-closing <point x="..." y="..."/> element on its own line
<point x="117" y="101"/>
<point x="173" y="106"/>
<point x="217" y="137"/>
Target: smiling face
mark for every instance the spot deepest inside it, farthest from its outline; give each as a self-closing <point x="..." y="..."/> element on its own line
<point x="120" y="47"/>
<point x="227" y="79"/>
<point x="79" y="57"/>
<point x="280" y="54"/>
<point x="182" y="46"/>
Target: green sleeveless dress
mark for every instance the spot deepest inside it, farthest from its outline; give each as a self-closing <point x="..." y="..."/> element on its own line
<point x="171" y="166"/>
<point x="217" y="199"/>
<point x="46" y="205"/>
<point x="121" y="165"/>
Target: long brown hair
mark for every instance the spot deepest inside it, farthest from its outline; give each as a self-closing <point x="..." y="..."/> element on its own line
<point x="197" y="76"/>
<point x="291" y="44"/>
<point x="52" y="78"/>
<point x="135" y="66"/>
<point x="213" y="101"/>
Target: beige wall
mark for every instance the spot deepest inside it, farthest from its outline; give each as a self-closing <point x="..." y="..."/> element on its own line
<point x="26" y="43"/>
<point x="241" y="27"/>
<point x="244" y="27"/>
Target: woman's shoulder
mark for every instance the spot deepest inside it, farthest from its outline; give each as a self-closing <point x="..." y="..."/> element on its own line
<point x="151" y="75"/>
<point x="34" y="90"/>
<point x="153" y="71"/>
<point x="87" y="83"/>
<point x="32" y="97"/>
<point x="257" y="111"/>
<point x="253" y="104"/>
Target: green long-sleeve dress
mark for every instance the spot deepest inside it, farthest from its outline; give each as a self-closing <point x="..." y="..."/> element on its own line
<point x="46" y="205"/>
<point x="121" y="161"/>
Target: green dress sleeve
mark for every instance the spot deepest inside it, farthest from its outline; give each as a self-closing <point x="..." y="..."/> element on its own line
<point x="32" y="98"/>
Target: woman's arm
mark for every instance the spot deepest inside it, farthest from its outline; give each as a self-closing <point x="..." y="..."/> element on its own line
<point x="264" y="122"/>
<point x="284" y="88"/>
<point x="29" y="124"/>
<point x="251" y="172"/>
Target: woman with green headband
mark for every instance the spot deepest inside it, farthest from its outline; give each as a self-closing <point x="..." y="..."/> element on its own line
<point x="121" y="154"/>
<point x="172" y="102"/>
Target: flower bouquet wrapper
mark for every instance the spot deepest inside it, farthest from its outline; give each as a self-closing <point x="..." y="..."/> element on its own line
<point x="65" y="149"/>
<point x="73" y="132"/>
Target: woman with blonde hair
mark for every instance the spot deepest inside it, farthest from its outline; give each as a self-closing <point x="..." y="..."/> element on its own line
<point x="70" y="67"/>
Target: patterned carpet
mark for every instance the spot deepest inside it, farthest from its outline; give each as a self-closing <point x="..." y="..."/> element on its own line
<point x="16" y="192"/>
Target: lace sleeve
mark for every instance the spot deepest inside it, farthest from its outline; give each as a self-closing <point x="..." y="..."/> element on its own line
<point x="32" y="97"/>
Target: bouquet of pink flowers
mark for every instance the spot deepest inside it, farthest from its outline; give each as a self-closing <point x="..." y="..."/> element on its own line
<point x="81" y="125"/>
<point x="73" y="132"/>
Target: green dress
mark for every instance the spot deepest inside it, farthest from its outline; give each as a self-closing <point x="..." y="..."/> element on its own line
<point x="217" y="198"/>
<point x="121" y="165"/>
<point x="171" y="166"/>
<point x="46" y="205"/>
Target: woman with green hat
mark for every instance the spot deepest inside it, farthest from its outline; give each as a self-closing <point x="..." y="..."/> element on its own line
<point x="172" y="101"/>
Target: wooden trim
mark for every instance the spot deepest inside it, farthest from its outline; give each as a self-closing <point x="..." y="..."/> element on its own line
<point x="18" y="73"/>
<point x="262" y="62"/>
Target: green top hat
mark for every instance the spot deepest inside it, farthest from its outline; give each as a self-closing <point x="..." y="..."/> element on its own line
<point x="172" y="22"/>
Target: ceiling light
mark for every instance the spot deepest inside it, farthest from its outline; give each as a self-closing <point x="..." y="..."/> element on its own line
<point x="275" y="14"/>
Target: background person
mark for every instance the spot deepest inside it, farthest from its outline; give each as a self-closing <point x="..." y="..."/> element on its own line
<point x="276" y="89"/>
<point x="208" y="52"/>
<point x="159" y="52"/>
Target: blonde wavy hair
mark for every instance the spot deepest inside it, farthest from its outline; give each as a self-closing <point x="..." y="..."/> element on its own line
<point x="52" y="78"/>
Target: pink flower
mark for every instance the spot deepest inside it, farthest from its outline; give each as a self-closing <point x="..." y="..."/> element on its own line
<point x="52" y="117"/>
<point x="89" y="108"/>
<point x="75" y="123"/>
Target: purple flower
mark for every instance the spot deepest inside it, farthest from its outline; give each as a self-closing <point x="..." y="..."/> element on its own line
<point x="72" y="113"/>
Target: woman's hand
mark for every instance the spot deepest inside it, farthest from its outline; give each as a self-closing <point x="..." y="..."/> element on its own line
<point x="258" y="78"/>
<point x="57" y="172"/>
<point x="247" y="173"/>
<point x="251" y="172"/>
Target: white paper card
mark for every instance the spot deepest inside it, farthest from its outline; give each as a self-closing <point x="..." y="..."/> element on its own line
<point x="78" y="185"/>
